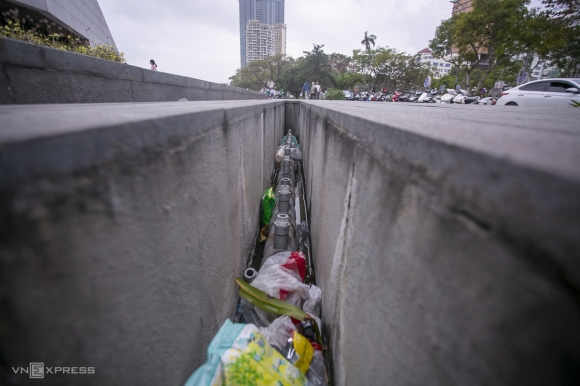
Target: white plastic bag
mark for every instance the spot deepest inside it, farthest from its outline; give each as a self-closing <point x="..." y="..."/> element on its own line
<point x="296" y="153"/>
<point x="282" y="277"/>
<point x="312" y="304"/>
<point x="279" y="331"/>
<point x="316" y="374"/>
<point x="283" y="280"/>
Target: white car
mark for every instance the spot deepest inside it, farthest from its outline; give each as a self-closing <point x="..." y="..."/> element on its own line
<point x="542" y="93"/>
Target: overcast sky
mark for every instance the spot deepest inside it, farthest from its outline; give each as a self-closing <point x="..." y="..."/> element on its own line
<point x="200" y="39"/>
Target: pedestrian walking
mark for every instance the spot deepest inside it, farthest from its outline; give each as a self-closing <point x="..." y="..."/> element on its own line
<point x="316" y="91"/>
<point x="306" y="89"/>
<point x="272" y="93"/>
<point x="312" y="88"/>
<point x="153" y="65"/>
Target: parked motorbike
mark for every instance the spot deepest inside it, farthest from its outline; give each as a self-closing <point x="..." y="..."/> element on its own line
<point x="414" y="97"/>
<point x="396" y="95"/>
<point x="423" y="96"/>
<point x="404" y="97"/>
<point x="460" y="97"/>
<point x="430" y="98"/>
<point x="471" y="99"/>
<point x="448" y="97"/>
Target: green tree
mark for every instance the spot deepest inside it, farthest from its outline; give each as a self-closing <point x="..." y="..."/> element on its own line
<point x="339" y="62"/>
<point x="262" y="73"/>
<point x="313" y="66"/>
<point x="368" y="40"/>
<point x="345" y="81"/>
<point x="387" y="67"/>
<point x="563" y="20"/>
<point x="316" y="64"/>
<point x="363" y="62"/>
<point x="396" y="69"/>
<point x="486" y="37"/>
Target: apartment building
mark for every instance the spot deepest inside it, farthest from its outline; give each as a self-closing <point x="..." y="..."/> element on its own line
<point x="264" y="11"/>
<point x="263" y="40"/>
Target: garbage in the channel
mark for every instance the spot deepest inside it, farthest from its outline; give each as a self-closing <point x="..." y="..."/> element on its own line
<point x="278" y="339"/>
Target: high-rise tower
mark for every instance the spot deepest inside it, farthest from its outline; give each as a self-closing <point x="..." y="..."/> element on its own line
<point x="265" y="11"/>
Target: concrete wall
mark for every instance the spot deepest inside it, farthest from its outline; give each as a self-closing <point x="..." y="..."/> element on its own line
<point x="36" y="74"/>
<point x="122" y="229"/>
<point x="446" y="241"/>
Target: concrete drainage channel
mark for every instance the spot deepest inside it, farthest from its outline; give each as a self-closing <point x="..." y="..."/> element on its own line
<point x="445" y="240"/>
<point x="277" y="335"/>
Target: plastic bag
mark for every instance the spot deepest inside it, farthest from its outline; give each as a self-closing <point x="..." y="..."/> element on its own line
<point x="268" y="202"/>
<point x="279" y="331"/>
<point x="312" y="304"/>
<point x="294" y="141"/>
<point x="240" y="355"/>
<point x="316" y="374"/>
<point x="296" y="153"/>
<point x="280" y="155"/>
<point x="282" y="277"/>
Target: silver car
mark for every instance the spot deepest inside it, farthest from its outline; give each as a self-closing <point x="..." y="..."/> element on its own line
<point x="542" y="93"/>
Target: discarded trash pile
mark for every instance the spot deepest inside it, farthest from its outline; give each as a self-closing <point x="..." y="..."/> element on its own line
<point x="278" y="338"/>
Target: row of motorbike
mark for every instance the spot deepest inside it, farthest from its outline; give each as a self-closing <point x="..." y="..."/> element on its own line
<point x="420" y="96"/>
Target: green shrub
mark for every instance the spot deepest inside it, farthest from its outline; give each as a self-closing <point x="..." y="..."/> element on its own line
<point x="575" y="104"/>
<point x="46" y="33"/>
<point x="334" y="94"/>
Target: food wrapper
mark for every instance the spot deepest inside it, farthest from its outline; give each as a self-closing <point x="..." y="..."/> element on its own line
<point x="299" y="351"/>
<point x="240" y="355"/>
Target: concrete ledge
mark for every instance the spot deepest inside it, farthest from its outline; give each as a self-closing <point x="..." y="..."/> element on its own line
<point x="33" y="74"/>
<point x="151" y="211"/>
<point x="446" y="239"/>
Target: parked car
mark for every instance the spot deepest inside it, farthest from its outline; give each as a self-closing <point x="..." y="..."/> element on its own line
<point x="542" y="93"/>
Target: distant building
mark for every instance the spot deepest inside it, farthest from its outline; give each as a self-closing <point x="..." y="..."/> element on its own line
<point x="263" y="40"/>
<point x="439" y="67"/>
<point x="538" y="69"/>
<point x="264" y="11"/>
<point x="279" y="39"/>
<point x="83" y="18"/>
<point x="461" y="6"/>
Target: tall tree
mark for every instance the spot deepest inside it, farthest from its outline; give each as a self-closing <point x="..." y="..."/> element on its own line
<point x="368" y="40"/>
<point x="262" y="73"/>
<point x="339" y="62"/>
<point x="484" y="38"/>
<point x="387" y="67"/>
<point x="346" y="80"/>
<point x="564" y="21"/>
<point x="313" y="66"/>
